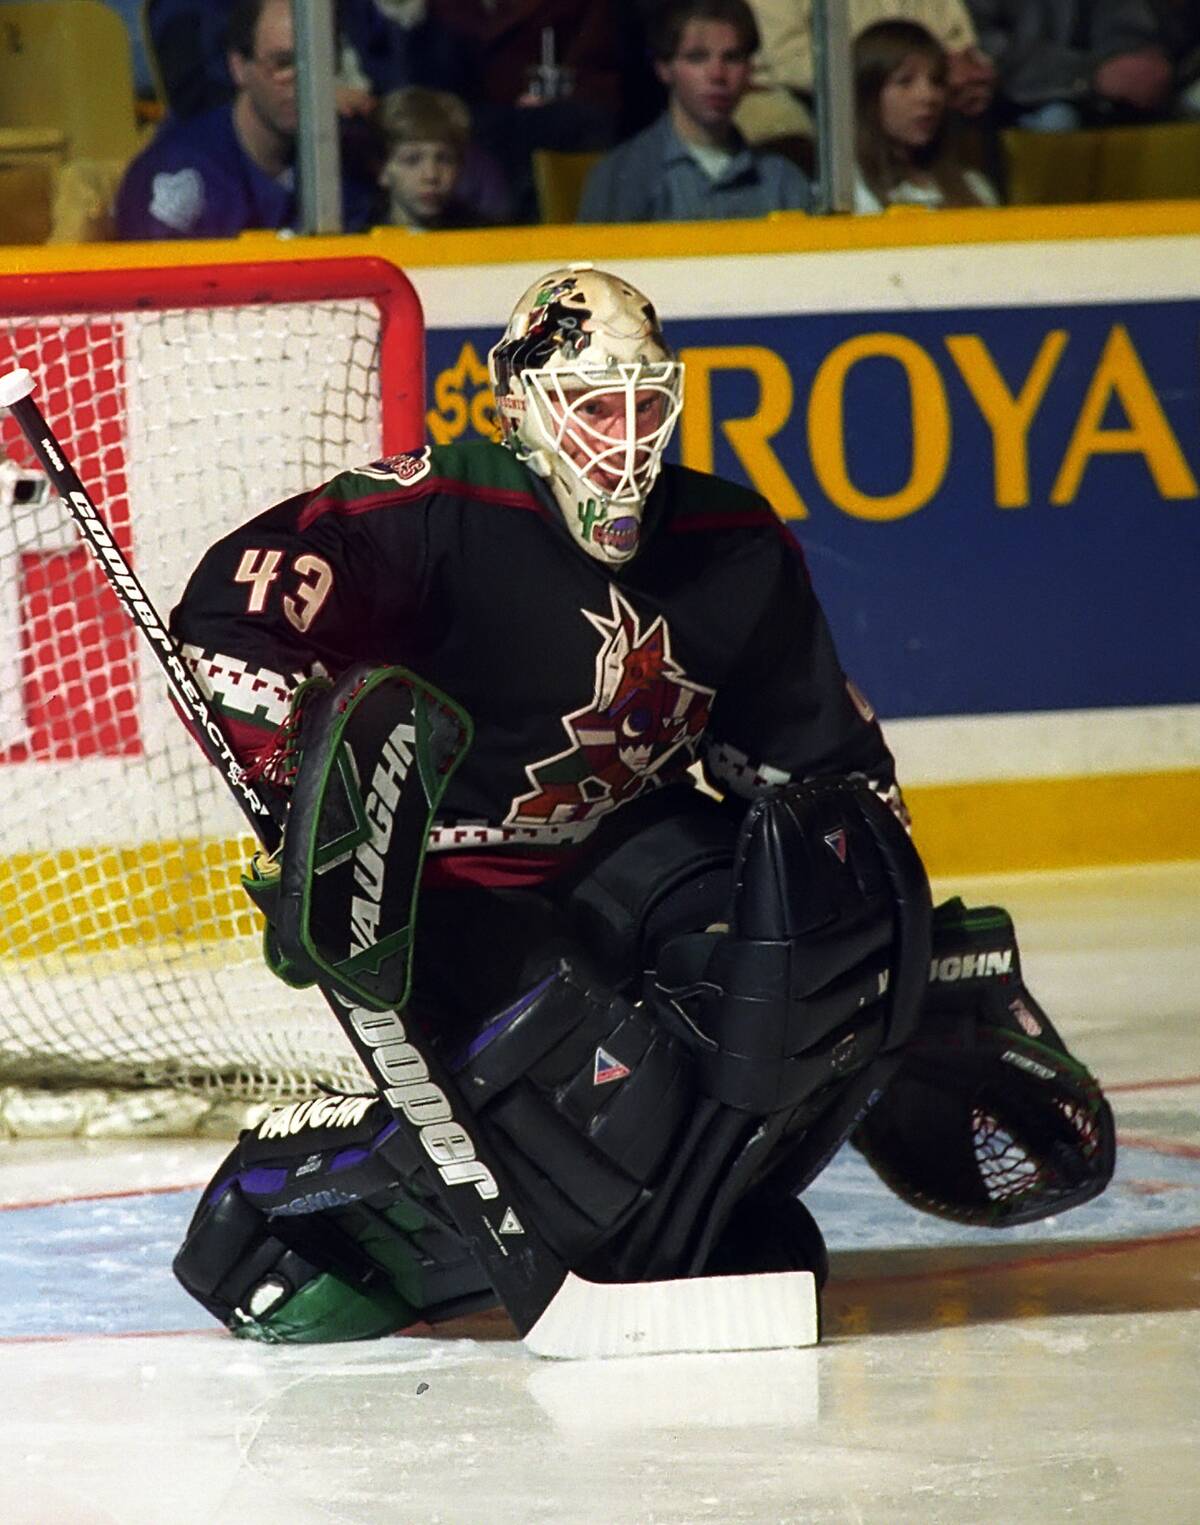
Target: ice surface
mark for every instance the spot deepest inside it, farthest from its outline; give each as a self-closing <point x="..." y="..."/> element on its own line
<point x="1048" y="1374"/>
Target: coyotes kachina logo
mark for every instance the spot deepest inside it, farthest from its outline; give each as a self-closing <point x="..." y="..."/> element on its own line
<point x="642" y="727"/>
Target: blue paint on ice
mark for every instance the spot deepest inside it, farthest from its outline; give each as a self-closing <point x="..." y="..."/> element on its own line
<point x="98" y="1266"/>
<point x="1152" y="1193"/>
<point x="103" y="1265"/>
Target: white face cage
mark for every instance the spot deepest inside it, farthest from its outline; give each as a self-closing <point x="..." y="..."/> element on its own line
<point x="618" y="467"/>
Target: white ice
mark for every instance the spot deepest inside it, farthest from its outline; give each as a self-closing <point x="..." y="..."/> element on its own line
<point x="964" y="1377"/>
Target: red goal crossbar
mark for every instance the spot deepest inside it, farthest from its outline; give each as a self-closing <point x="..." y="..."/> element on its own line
<point x="160" y="288"/>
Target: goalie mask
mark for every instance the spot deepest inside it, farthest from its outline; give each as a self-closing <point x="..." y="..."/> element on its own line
<point x="588" y="392"/>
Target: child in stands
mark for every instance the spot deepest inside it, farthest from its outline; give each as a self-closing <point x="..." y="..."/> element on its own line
<point x="904" y="158"/>
<point x="427" y="136"/>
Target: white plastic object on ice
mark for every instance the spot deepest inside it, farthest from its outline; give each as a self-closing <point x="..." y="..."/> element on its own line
<point x="13" y="387"/>
<point x="767" y="1311"/>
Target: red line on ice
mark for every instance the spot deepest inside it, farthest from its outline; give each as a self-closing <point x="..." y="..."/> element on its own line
<point x="1153" y="1085"/>
<point x="1159" y="1145"/>
<point x="122" y="1334"/>
<point x="100" y="1196"/>
<point x="1021" y="1263"/>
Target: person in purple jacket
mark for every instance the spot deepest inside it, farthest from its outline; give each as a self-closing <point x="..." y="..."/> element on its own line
<point x="232" y="168"/>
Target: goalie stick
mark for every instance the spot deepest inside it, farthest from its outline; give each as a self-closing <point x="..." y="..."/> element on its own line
<point x="556" y="1312"/>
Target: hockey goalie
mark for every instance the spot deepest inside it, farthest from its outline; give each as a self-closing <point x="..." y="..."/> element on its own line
<point x="479" y="683"/>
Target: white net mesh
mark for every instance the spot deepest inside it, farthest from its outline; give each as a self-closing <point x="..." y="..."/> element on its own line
<point x="129" y="956"/>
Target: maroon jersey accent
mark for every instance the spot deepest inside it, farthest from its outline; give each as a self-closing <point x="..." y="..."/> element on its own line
<point x="370" y="502"/>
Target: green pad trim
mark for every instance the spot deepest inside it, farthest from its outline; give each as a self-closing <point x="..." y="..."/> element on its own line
<point x="326" y="1311"/>
<point x="341" y="900"/>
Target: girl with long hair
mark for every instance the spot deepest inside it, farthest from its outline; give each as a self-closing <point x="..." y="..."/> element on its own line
<point x="904" y="159"/>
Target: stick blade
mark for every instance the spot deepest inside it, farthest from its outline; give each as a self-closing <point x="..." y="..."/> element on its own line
<point x="767" y="1311"/>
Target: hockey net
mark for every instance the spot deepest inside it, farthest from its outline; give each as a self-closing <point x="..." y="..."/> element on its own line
<point x="132" y="991"/>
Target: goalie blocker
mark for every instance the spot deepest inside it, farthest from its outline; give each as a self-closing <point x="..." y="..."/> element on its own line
<point x="989" y="1120"/>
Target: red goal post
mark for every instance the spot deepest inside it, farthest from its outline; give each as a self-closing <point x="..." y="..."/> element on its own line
<point x="190" y="397"/>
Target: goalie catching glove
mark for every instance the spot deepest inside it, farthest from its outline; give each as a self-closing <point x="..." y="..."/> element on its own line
<point x="989" y="1121"/>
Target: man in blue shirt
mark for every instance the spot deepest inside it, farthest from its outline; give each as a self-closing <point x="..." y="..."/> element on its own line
<point x="232" y="168"/>
<point x="692" y="162"/>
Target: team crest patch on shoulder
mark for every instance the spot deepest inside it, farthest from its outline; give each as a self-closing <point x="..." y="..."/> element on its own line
<point x="406" y="468"/>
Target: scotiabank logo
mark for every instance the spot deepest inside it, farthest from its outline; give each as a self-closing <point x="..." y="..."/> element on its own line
<point x="68" y="673"/>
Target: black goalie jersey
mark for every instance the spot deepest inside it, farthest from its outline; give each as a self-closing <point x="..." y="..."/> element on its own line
<point x="588" y="684"/>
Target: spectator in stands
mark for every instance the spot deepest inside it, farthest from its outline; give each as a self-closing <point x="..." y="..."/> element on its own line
<point x="376" y="53"/>
<point x="502" y="46"/>
<point x="541" y="75"/>
<point x="693" y="162"/>
<point x="427" y="133"/>
<point x="1065" y="64"/>
<point x="901" y="79"/>
<point x="779" y="104"/>
<point x="231" y="168"/>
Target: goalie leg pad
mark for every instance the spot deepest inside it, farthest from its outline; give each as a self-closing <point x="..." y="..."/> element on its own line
<point x="794" y="1011"/>
<point x="824" y="962"/>
<point x="591" y="1100"/>
<point x="657" y="868"/>
<point x="769" y="1231"/>
<point x="585" y="1096"/>
<point x="320" y="1227"/>
<point x="989" y="1120"/>
<point x="261" y="1287"/>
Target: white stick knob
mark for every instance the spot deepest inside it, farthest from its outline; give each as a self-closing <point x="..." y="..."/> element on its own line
<point x="13" y="387"/>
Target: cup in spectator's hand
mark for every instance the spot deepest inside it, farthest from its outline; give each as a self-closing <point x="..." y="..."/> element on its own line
<point x="351" y="101"/>
<point x="971" y="81"/>
<point x="1141" y="79"/>
<point x="546" y="82"/>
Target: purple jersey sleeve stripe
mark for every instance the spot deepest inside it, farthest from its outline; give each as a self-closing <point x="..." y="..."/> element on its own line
<point x="317" y="508"/>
